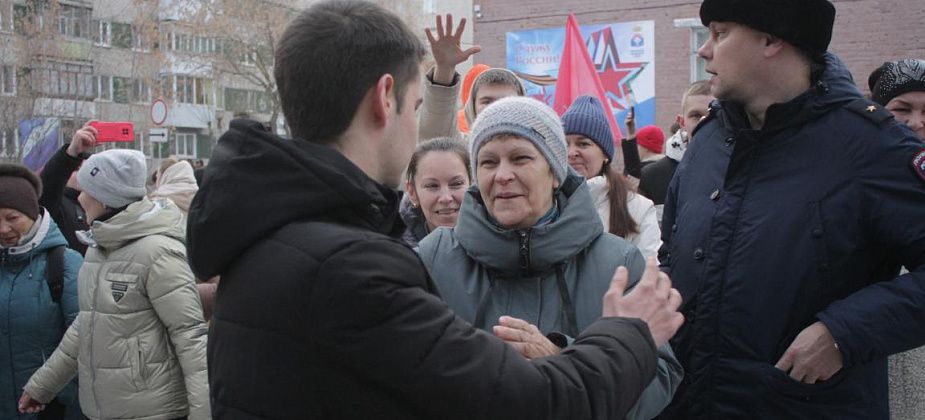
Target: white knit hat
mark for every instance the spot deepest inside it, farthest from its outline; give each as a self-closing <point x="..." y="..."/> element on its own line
<point x="529" y="119"/>
<point x="115" y="177"/>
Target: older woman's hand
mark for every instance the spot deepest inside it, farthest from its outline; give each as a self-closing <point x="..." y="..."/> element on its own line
<point x="524" y="337"/>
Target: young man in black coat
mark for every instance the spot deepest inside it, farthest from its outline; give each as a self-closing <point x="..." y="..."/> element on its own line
<point x="60" y="193"/>
<point x="695" y="105"/>
<point x="322" y="311"/>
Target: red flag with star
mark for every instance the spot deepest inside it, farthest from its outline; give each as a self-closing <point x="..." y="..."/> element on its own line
<point x="578" y="76"/>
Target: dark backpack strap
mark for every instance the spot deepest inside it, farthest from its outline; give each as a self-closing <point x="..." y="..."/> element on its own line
<point x="54" y="272"/>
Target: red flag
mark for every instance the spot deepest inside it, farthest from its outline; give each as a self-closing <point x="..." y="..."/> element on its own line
<point x="577" y="76"/>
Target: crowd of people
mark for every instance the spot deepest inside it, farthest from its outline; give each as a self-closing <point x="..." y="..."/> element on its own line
<point x="402" y="257"/>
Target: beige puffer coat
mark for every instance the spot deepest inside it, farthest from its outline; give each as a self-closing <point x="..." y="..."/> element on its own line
<point x="139" y="342"/>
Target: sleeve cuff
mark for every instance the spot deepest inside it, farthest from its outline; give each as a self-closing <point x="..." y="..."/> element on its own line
<point x="842" y="342"/>
<point x="560" y="340"/>
<point x="430" y="80"/>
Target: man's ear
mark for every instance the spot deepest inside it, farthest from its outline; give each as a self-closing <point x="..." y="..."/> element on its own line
<point x="680" y="120"/>
<point x="382" y="96"/>
<point x="772" y="45"/>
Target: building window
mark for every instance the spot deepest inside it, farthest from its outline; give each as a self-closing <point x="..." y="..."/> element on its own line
<point x="141" y="92"/>
<point x="240" y="100"/>
<point x="74" y="21"/>
<point x="104" y="88"/>
<point x="191" y="44"/>
<point x="141" y="39"/>
<point x="121" y="34"/>
<point x="699" y="36"/>
<point x="185" y="145"/>
<point x="120" y="89"/>
<point x="6" y="16"/>
<point x="183" y="43"/>
<point x="28" y="19"/>
<point x="139" y="143"/>
<point x="190" y="90"/>
<point x="104" y="33"/>
<point x="64" y="80"/>
<point x="249" y="58"/>
<point x="8" y="73"/>
<point x="9" y="144"/>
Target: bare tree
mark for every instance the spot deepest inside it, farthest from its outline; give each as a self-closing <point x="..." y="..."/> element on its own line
<point x="246" y="33"/>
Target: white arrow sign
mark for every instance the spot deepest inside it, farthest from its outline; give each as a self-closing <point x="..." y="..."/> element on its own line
<point x="158" y="135"/>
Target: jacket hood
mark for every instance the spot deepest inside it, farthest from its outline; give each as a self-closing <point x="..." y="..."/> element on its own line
<point x="415" y="223"/>
<point x="178" y="183"/>
<point x="676" y="146"/>
<point x="500" y="249"/>
<point x="470" y="103"/>
<point x="832" y="89"/>
<point x="47" y="236"/>
<point x="257" y="183"/>
<point x="140" y="219"/>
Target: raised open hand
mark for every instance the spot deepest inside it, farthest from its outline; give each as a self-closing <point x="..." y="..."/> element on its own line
<point x="446" y="48"/>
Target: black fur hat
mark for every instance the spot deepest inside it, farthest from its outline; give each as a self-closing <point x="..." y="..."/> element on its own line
<point x="806" y="24"/>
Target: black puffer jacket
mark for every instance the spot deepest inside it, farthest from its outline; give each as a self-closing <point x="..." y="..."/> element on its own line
<point x="323" y="312"/>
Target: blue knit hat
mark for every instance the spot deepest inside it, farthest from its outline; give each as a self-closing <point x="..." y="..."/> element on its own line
<point x="586" y="117"/>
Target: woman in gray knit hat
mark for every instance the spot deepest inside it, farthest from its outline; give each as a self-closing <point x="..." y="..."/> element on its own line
<point x="139" y="343"/>
<point x="528" y="259"/>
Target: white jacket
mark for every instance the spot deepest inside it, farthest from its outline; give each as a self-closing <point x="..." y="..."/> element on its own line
<point x="641" y="209"/>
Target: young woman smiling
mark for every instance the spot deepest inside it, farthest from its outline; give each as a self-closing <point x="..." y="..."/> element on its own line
<point x="438" y="176"/>
<point x="590" y="153"/>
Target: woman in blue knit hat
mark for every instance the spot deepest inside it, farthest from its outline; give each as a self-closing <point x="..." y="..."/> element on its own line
<point x="590" y="153"/>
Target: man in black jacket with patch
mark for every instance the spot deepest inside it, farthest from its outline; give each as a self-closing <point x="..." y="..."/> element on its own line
<point x="322" y="311"/>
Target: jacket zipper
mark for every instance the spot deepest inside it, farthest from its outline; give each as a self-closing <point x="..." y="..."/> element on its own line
<point x="524" y="249"/>
<point x="7" y="324"/>
<point x="96" y="399"/>
<point x="141" y="364"/>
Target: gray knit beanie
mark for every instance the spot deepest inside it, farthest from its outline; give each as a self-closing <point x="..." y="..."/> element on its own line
<point x="529" y="119"/>
<point x="115" y="177"/>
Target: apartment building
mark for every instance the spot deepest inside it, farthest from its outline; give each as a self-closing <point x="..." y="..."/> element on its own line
<point x="65" y="62"/>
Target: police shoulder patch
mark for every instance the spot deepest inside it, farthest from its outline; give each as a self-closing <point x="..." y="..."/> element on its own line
<point x="869" y="110"/>
<point x="918" y="164"/>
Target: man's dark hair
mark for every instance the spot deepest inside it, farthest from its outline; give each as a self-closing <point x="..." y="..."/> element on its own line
<point x="331" y="55"/>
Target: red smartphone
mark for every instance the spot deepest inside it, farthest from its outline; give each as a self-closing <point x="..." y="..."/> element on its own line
<point x="114" y="131"/>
